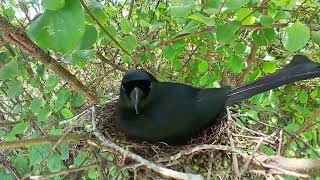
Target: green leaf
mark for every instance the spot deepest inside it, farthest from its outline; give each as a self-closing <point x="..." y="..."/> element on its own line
<point x="169" y="52"/>
<point x="21" y="164"/>
<point x="177" y="65"/>
<point x="93" y="173"/>
<point x="107" y="155"/>
<point x="226" y="33"/>
<point x="303" y="97"/>
<point x="126" y="58"/>
<point x="6" y="175"/>
<point x="203" y="81"/>
<point x="63" y="97"/>
<point x="44" y="113"/>
<point x="203" y="66"/>
<point x="81" y="157"/>
<point x="267" y="150"/>
<point x="180" y="11"/>
<point x="281" y="14"/>
<point x="126" y="26"/>
<point x="52" y="27"/>
<point x="269" y="67"/>
<point x="81" y="58"/>
<point x="77" y="100"/>
<point x="316" y="36"/>
<point x="190" y="28"/>
<point x="212" y="6"/>
<point x="129" y="43"/>
<point x="35" y="105"/>
<point x="236" y="64"/>
<point x="240" y="48"/>
<point x="55" y="163"/>
<point x="52" y="82"/>
<point x="243" y="13"/>
<point x="67" y="113"/>
<point x="143" y="23"/>
<point x="235" y="4"/>
<point x="201" y="18"/>
<point x="14" y="89"/>
<point x="292" y="127"/>
<point x="266" y="20"/>
<point x="53" y="4"/>
<point x="253" y="114"/>
<point x="56" y="132"/>
<point x="9" y="71"/>
<point x="264" y="37"/>
<point x="10" y="13"/>
<point x="19" y="128"/>
<point x="314" y="94"/>
<point x="296" y="37"/>
<point x="99" y="12"/>
<point x="89" y="38"/>
<point x="64" y="150"/>
<point x="38" y="153"/>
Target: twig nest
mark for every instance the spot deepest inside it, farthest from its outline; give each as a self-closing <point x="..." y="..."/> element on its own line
<point x="192" y="162"/>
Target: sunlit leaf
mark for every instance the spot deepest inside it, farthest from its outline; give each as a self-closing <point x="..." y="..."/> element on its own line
<point x="54" y="163"/>
<point x="226" y="33"/>
<point x="9" y="71"/>
<point x="296" y="37"/>
<point x="67" y="24"/>
<point x="129" y="43"/>
<point x="53" y="4"/>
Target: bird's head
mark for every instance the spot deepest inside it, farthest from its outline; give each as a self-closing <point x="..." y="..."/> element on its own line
<point x="135" y="87"/>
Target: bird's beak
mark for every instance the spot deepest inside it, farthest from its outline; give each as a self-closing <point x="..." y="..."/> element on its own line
<point x="135" y="95"/>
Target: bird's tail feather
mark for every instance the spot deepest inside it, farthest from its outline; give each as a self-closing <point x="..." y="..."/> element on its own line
<point x="300" y="68"/>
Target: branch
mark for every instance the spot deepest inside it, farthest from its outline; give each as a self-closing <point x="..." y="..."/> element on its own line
<point x="45" y="140"/>
<point x="246" y="165"/>
<point x="20" y="39"/>
<point x="164" y="171"/>
<point x="67" y="171"/>
<point x="112" y="64"/>
<point x="250" y="60"/>
<point x="287" y="166"/>
<point x="6" y="162"/>
<point x="199" y="148"/>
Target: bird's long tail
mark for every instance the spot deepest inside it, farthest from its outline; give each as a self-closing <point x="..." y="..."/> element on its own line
<point x="300" y="68"/>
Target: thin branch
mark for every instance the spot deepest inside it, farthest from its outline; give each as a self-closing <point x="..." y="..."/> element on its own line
<point x="250" y="61"/>
<point x="246" y="165"/>
<point x="64" y="172"/>
<point x="45" y="140"/>
<point x="131" y="9"/>
<point x="6" y="162"/>
<point x="199" y="148"/>
<point x="255" y="9"/>
<point x="112" y="64"/>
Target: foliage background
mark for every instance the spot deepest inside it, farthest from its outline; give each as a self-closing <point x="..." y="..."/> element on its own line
<point x="88" y="45"/>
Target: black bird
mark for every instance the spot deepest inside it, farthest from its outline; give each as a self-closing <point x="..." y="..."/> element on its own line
<point x="168" y="112"/>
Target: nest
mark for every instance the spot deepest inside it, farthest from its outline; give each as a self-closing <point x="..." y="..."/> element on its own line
<point x="166" y="155"/>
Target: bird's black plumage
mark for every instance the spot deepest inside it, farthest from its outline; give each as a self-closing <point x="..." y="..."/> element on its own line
<point x="173" y="113"/>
